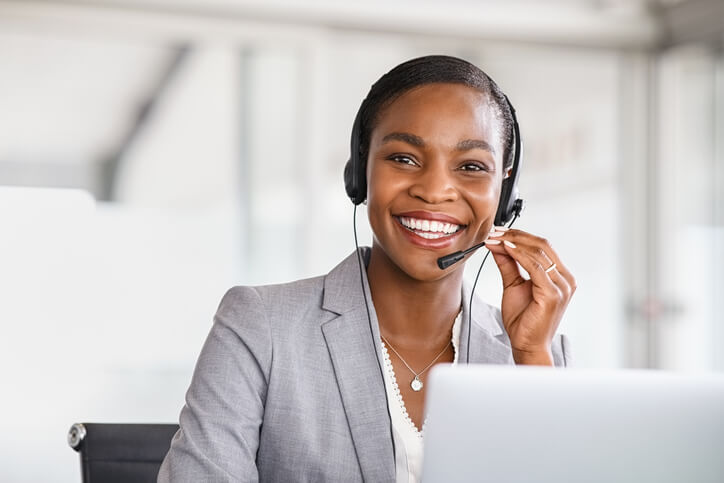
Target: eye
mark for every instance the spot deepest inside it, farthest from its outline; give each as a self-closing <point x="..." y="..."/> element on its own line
<point x="402" y="159"/>
<point x="474" y="166"/>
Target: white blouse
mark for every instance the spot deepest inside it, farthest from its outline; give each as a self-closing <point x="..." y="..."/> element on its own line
<point x="407" y="438"/>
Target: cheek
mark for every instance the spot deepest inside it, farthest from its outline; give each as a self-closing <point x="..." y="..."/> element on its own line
<point x="382" y="186"/>
<point x="485" y="205"/>
<point x="486" y="199"/>
<point x="381" y="190"/>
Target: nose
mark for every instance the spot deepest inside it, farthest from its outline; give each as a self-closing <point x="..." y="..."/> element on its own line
<point x="434" y="184"/>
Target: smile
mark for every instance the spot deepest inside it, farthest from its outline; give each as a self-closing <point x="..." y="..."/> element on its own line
<point x="429" y="229"/>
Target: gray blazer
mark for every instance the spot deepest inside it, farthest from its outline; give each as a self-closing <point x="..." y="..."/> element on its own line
<point x="288" y="386"/>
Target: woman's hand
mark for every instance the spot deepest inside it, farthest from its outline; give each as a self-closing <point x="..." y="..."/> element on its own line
<point x="531" y="309"/>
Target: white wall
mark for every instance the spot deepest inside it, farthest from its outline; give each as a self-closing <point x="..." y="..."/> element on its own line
<point x="106" y="305"/>
<point x="689" y="208"/>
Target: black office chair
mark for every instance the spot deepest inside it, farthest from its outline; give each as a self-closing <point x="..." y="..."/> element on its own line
<point x="120" y="453"/>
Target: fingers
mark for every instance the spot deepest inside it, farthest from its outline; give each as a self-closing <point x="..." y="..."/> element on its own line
<point x="535" y="255"/>
<point x="509" y="269"/>
<point x="535" y="264"/>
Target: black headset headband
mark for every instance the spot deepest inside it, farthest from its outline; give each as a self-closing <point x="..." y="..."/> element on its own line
<point x="355" y="176"/>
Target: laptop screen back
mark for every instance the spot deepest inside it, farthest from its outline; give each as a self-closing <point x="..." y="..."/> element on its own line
<point x="524" y="424"/>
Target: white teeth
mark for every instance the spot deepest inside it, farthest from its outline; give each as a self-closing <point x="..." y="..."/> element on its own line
<point x="429" y="229"/>
<point x="430" y="236"/>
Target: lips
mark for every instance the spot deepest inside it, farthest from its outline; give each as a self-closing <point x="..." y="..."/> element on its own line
<point x="433" y="230"/>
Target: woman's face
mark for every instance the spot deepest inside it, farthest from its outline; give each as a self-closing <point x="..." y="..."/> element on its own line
<point x="434" y="175"/>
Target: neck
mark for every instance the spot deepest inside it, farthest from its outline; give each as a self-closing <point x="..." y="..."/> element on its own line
<point x="413" y="313"/>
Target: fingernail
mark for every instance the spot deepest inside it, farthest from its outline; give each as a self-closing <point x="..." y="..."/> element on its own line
<point x="501" y="228"/>
<point x="492" y="242"/>
<point x="497" y="233"/>
<point x="509" y="243"/>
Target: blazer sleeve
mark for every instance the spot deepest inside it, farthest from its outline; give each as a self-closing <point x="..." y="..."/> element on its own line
<point x="220" y="422"/>
<point x="561" y="348"/>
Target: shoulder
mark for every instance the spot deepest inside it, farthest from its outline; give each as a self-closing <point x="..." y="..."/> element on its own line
<point x="268" y="303"/>
<point x="271" y="297"/>
<point x="285" y="311"/>
<point x="302" y="299"/>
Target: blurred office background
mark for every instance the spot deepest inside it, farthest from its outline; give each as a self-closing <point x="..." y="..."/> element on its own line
<point x="154" y="153"/>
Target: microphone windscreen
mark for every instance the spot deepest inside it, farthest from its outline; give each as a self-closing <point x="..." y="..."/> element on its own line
<point x="447" y="260"/>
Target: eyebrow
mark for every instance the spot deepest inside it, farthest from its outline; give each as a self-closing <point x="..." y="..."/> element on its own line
<point x="417" y="141"/>
<point x="469" y="144"/>
<point x="405" y="138"/>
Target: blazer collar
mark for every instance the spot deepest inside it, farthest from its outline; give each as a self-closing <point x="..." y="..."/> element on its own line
<point x="342" y="289"/>
<point x="342" y="293"/>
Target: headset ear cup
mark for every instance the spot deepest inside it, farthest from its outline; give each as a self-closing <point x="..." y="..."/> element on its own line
<point x="349" y="184"/>
<point x="361" y="182"/>
<point x="355" y="182"/>
<point x="505" y="208"/>
<point x="355" y="186"/>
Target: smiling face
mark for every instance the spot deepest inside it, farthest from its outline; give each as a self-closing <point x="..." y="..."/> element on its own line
<point x="434" y="174"/>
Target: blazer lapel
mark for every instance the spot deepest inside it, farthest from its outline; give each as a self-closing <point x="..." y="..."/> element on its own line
<point x="352" y="343"/>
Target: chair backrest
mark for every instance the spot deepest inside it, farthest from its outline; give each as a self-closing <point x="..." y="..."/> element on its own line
<point x="111" y="453"/>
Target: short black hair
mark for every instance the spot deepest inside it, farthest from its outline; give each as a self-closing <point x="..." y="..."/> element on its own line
<point x="432" y="69"/>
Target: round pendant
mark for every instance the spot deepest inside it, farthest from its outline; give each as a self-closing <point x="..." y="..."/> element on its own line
<point x="416" y="384"/>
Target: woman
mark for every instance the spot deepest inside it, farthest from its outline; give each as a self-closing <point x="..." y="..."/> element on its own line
<point x="324" y="379"/>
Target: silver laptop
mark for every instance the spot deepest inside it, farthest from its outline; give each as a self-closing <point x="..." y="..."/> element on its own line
<point x="515" y="424"/>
